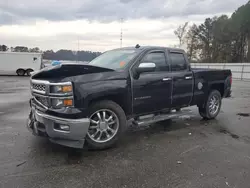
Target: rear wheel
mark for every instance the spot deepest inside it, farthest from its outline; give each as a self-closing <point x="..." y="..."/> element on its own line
<point x="178" y="109"/>
<point x="107" y="122"/>
<point x="28" y="72"/>
<point x="212" y="106"/>
<point x="20" y="72"/>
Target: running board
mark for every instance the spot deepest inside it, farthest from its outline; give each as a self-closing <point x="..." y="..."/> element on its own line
<point x="150" y="119"/>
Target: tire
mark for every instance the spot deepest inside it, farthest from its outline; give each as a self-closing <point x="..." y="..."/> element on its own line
<point x="178" y="109"/>
<point x="202" y="113"/>
<point x="28" y="72"/>
<point x="119" y="118"/>
<point x="206" y="112"/>
<point x="20" y="72"/>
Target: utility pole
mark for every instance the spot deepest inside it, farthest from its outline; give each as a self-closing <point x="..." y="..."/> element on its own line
<point x="78" y="45"/>
<point x="121" y="32"/>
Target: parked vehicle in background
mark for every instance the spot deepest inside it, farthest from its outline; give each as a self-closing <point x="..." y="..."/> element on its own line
<point x="19" y="63"/>
<point x="48" y="63"/>
<point x="74" y="103"/>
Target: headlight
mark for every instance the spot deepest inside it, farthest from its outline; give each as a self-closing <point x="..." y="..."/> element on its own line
<point x="61" y="95"/>
<point x="60" y="103"/>
<point x="61" y="89"/>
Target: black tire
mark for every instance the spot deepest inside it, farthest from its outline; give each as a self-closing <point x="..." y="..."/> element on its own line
<point x="28" y="72"/>
<point x="204" y="111"/>
<point x="115" y="108"/>
<point x="20" y="72"/>
<point x="178" y="109"/>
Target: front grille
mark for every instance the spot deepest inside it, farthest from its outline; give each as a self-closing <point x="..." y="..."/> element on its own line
<point x="39" y="87"/>
<point x="43" y="100"/>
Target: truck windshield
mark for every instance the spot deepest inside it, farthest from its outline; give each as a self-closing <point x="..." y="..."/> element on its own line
<point x="115" y="59"/>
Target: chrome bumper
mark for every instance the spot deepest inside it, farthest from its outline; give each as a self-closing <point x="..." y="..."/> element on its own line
<point x="46" y="125"/>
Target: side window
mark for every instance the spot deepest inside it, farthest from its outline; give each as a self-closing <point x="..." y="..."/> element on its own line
<point x="159" y="59"/>
<point x="178" y="62"/>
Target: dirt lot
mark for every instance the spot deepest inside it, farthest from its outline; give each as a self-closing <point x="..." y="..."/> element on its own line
<point x="187" y="152"/>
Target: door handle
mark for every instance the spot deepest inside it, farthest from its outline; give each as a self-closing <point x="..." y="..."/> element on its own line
<point x="166" y="79"/>
<point x="188" y="77"/>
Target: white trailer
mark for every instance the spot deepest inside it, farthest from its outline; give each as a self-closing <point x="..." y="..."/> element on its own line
<point x="19" y="63"/>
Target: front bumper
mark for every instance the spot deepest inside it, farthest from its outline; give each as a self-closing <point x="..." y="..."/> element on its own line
<point x="42" y="124"/>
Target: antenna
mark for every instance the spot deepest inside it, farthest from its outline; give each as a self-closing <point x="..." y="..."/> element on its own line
<point x="121" y="32"/>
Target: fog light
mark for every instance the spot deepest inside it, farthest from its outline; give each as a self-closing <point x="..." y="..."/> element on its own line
<point x="68" y="102"/>
<point x="64" y="127"/>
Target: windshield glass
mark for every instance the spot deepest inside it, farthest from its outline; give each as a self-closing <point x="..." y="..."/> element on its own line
<point x="115" y="59"/>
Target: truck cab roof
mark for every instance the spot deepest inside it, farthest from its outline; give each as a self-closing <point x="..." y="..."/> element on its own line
<point x="142" y="48"/>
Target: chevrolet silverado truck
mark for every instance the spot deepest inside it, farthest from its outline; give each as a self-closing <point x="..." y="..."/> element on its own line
<point x="78" y="104"/>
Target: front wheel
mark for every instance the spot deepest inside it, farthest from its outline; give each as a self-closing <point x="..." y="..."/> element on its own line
<point x="212" y="106"/>
<point x="107" y="122"/>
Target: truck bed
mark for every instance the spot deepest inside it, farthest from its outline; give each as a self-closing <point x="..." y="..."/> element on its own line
<point x="205" y="78"/>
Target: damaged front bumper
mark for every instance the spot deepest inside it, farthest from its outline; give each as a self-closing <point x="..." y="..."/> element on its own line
<point x="67" y="132"/>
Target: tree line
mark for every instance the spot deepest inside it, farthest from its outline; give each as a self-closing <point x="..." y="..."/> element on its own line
<point x="5" y="48"/>
<point x="218" y="39"/>
<point x="70" y="55"/>
<point x="55" y="55"/>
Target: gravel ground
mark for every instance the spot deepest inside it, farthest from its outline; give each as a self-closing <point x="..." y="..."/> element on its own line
<point x="184" y="152"/>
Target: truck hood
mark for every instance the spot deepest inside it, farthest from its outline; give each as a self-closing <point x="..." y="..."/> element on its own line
<point x="63" y="71"/>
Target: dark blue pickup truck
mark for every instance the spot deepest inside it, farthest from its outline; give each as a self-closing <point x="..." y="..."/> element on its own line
<point x="77" y="104"/>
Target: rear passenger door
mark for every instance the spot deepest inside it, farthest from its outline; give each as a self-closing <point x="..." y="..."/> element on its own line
<point x="182" y="80"/>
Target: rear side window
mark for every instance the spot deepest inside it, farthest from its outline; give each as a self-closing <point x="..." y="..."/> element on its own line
<point x="158" y="58"/>
<point x="178" y="62"/>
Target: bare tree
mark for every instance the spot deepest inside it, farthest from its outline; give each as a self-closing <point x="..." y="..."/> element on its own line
<point x="180" y="33"/>
<point x="192" y="41"/>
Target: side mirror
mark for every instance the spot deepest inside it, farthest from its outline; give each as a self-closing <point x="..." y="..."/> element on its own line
<point x="146" y="67"/>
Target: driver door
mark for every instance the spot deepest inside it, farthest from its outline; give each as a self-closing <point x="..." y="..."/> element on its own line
<point x="152" y="90"/>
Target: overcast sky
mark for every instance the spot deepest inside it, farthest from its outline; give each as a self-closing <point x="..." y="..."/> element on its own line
<point x="60" y="24"/>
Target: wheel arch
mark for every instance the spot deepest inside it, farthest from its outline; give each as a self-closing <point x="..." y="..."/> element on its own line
<point x="214" y="86"/>
<point x="117" y="98"/>
<point x="217" y="86"/>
